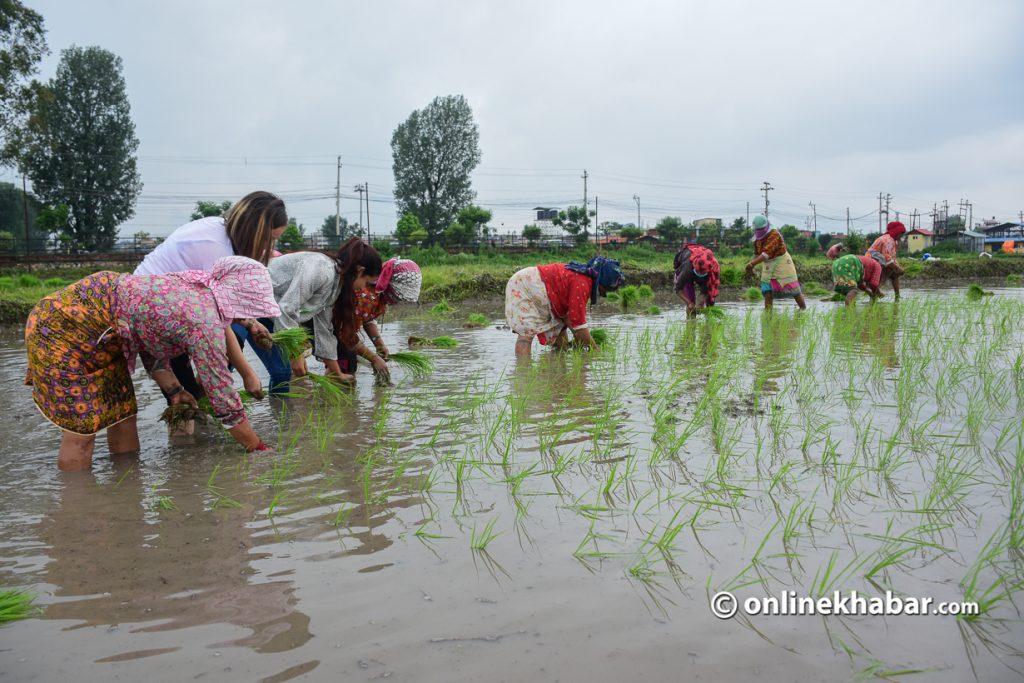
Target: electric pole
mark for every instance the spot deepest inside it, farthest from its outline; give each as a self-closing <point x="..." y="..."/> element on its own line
<point x="586" y="218"/>
<point x="970" y="216"/>
<point x="748" y="216"/>
<point x="766" y="188"/>
<point x="24" y="203"/>
<point x="337" y="203"/>
<point x="847" y="221"/>
<point x="880" y="212"/>
<point x="366" y="189"/>
<point x="814" y="210"/>
<point x="637" y="200"/>
<point x="360" y="190"/>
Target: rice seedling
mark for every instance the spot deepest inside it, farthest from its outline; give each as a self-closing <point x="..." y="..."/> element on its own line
<point x="418" y="364"/>
<point x="600" y="336"/>
<point x="180" y="413"/>
<point x="17" y="604"/>
<point x="439" y="342"/>
<point x="293" y="342"/>
<point x="712" y="312"/>
<point x="630" y="295"/>
<point x="477" y="320"/>
<point x="54" y="282"/>
<point x="442" y="309"/>
<point x="815" y="289"/>
<point x="977" y="292"/>
<point x="480" y="540"/>
<point x="753" y="294"/>
<point x="653" y="310"/>
<point x="1014" y="280"/>
<point x="28" y="281"/>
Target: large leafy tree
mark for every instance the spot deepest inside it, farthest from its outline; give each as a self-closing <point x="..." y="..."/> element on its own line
<point x="469" y="223"/>
<point x="409" y="230"/>
<point x="293" y="237"/>
<point x="335" y="230"/>
<point x="22" y="45"/>
<point x="434" y="151"/>
<point x="14" y="215"/>
<point x="80" y="150"/>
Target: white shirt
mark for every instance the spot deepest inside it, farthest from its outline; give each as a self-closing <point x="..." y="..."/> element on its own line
<point x="193" y="246"/>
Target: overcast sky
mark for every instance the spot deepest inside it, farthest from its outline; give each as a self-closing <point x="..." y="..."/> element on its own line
<point x="688" y="105"/>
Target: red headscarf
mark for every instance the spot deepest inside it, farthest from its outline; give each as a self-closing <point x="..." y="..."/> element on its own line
<point x="895" y="229"/>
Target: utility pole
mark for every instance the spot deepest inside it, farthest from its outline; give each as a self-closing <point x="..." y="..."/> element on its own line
<point x="337" y="203"/>
<point x="888" y="198"/>
<point x="814" y="210"/>
<point x="586" y="218"/>
<point x="637" y="200"/>
<point x="962" y="212"/>
<point x="847" y="221"/>
<point x="766" y="188"/>
<point x="880" y="213"/>
<point x="360" y="190"/>
<point x="597" y="230"/>
<point x="748" y="216"/>
<point x="24" y="203"/>
<point x="970" y="216"/>
<point x="366" y="189"/>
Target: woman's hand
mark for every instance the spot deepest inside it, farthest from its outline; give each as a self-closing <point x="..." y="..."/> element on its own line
<point x="380" y="368"/>
<point x="382" y="348"/>
<point x="184" y="398"/>
<point x="253" y="385"/>
<point x="299" y="367"/>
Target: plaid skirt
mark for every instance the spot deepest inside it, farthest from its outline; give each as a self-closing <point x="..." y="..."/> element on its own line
<point x="76" y="363"/>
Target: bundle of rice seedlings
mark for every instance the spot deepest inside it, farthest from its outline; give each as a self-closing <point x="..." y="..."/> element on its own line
<point x="6" y="282"/>
<point x="753" y="294"/>
<point x="327" y="386"/>
<point x="1014" y="279"/>
<point x="814" y="289"/>
<point x="477" y="320"/>
<point x="975" y="292"/>
<point x="16" y="604"/>
<point x="293" y="342"/>
<point x="645" y="291"/>
<point x="442" y="309"/>
<point x="835" y="296"/>
<point x="439" y="342"/>
<point x="600" y="336"/>
<point x="54" y="282"/>
<point x="414" y="362"/>
<point x="28" y="281"/>
<point x="712" y="312"/>
<point x="653" y="310"/>
<point x="180" y="413"/>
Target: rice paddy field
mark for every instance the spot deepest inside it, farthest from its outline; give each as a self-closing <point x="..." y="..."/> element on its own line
<point x="566" y="518"/>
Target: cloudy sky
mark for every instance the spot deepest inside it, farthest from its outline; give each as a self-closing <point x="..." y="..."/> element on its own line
<point x="688" y="105"/>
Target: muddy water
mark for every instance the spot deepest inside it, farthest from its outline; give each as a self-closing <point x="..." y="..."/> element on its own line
<point x="619" y="490"/>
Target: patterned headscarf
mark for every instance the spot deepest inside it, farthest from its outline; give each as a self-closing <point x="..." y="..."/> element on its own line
<point x="604" y="271"/>
<point x="895" y="229"/>
<point x="241" y="287"/>
<point x="761" y="227"/>
<point x="400" y="280"/>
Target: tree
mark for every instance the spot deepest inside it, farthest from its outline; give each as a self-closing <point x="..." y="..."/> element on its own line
<point x="7" y="241"/>
<point x="576" y="221"/>
<point x="292" y="238"/>
<point x="434" y="151"/>
<point x="824" y="241"/>
<point x="631" y="233"/>
<point x="53" y="220"/>
<point x="738" y="225"/>
<point x="468" y="224"/>
<point x="141" y="236"/>
<point x="335" y="230"/>
<point x="532" y="233"/>
<point x="13" y="216"/>
<point x="409" y="230"/>
<point x="855" y="244"/>
<point x="207" y="209"/>
<point x="22" y="45"/>
<point x="672" y="229"/>
<point x="789" y="232"/>
<point x="81" y="149"/>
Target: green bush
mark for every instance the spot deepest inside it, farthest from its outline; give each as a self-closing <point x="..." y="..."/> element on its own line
<point x="28" y="281"/>
<point x="730" y="276"/>
<point x="54" y="282"/>
<point x="7" y="282"/>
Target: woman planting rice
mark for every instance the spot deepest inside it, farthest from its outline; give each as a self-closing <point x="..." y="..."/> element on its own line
<point x="852" y="272"/>
<point x="400" y="280"/>
<point x="249" y="228"/>
<point x="307" y="285"/>
<point x="82" y="342"/>
<point x="883" y="250"/>
<point x="543" y="301"/>
<point x="778" y="273"/>
<point x="696" y="277"/>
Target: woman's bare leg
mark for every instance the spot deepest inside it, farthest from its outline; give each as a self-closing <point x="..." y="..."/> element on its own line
<point x="123" y="437"/>
<point x="524" y="346"/>
<point x="767" y="301"/>
<point x="75" y="452"/>
<point x="800" y="301"/>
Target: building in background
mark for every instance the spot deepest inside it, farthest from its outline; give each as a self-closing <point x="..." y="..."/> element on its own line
<point x="919" y="239"/>
<point x="545" y="220"/>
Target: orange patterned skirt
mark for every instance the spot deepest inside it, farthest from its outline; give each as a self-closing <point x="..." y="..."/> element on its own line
<point x="76" y="364"/>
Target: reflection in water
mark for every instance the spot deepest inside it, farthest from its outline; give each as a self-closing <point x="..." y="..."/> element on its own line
<point x="869" y="331"/>
<point x="183" y="567"/>
<point x="780" y="334"/>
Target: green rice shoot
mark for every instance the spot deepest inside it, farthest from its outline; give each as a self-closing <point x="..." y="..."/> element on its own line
<point x="600" y="336"/>
<point x="712" y="312"/>
<point x="444" y="342"/>
<point x="16" y="604"/>
<point x="414" y="362"/>
<point x="293" y="342"/>
<point x="752" y="294"/>
<point x="442" y="309"/>
<point x="976" y="292"/>
<point x="653" y="310"/>
<point x="477" y="320"/>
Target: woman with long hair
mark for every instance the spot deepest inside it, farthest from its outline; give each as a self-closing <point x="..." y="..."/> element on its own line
<point x="359" y="265"/>
<point x="249" y="228"/>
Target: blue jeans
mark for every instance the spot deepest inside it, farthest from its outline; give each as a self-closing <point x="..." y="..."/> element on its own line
<point x="278" y="367"/>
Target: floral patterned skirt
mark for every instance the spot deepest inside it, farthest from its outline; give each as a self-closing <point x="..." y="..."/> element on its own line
<point x="528" y="308"/>
<point x="76" y="364"/>
<point x="847" y="273"/>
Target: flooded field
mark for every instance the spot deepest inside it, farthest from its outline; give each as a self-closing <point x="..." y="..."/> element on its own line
<point x="562" y="519"/>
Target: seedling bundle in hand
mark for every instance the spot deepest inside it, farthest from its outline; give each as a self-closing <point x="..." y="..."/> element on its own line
<point x="413" y="361"/>
<point x="293" y="342"/>
<point x="439" y="342"/>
